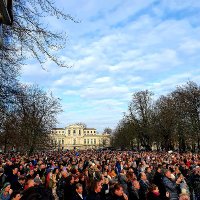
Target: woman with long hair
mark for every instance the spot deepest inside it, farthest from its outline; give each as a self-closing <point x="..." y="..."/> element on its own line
<point x="55" y="179"/>
<point x="6" y="191"/>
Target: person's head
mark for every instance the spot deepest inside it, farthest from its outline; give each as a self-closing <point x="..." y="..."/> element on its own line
<point x="79" y="188"/>
<point x="82" y="177"/>
<point x="143" y="176"/>
<point x="148" y="169"/>
<point x="154" y="188"/>
<point x="184" y="197"/>
<point x="76" y="178"/>
<point x="158" y="169"/>
<point x="30" y="183"/>
<point x="31" y="172"/>
<point x="180" y="176"/>
<point x="64" y="173"/>
<point x="22" y="180"/>
<point x="15" y="195"/>
<point x="6" y="187"/>
<point x="9" y="162"/>
<point x="168" y="173"/>
<point x="21" y="167"/>
<point x="37" y="181"/>
<point x="96" y="186"/>
<point x="70" y="179"/>
<point x="136" y="184"/>
<point x="130" y="176"/>
<point x="197" y="170"/>
<point x="55" y="171"/>
<point x="106" y="180"/>
<point x="36" y="193"/>
<point x="118" y="190"/>
<point x="15" y="170"/>
<point x="131" y="170"/>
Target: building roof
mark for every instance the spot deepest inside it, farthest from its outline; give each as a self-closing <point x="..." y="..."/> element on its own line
<point x="58" y="129"/>
<point x="89" y="128"/>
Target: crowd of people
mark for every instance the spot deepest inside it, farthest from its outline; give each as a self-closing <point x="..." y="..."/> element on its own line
<point x="100" y="175"/>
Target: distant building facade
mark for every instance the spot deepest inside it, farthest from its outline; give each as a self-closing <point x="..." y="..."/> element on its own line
<point x="80" y="137"/>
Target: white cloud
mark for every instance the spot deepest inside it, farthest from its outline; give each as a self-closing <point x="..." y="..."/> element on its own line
<point x="104" y="80"/>
<point x="118" y="48"/>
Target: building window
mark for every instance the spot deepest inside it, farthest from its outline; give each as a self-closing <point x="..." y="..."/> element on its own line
<point x="91" y="131"/>
<point x="87" y="131"/>
<point x="84" y="141"/>
<point x="59" y="142"/>
<point x="91" y="141"/>
<point x="74" y="141"/>
<point x="84" y="131"/>
<point x="62" y="141"/>
<point x="88" y="141"/>
<point x="74" y="132"/>
<point x="63" y="131"/>
<point x="94" y="141"/>
<point x="68" y="132"/>
<point x="94" y="131"/>
<point x="79" y="132"/>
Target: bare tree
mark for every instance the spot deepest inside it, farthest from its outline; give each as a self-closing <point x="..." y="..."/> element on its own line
<point x="107" y="130"/>
<point x="172" y="121"/>
<point x="164" y="122"/>
<point x="37" y="112"/>
<point x="30" y="36"/>
<point x="141" y="109"/>
<point x="188" y="112"/>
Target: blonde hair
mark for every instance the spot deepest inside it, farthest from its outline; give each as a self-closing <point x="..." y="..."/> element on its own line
<point x="184" y="197"/>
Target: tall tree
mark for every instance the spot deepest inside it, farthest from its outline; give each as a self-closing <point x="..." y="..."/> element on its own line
<point x="28" y="36"/>
<point x="164" y="122"/>
<point x="188" y="111"/>
<point x="140" y="110"/>
<point x="37" y="112"/>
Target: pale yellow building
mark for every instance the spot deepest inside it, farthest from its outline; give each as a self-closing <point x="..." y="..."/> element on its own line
<point x="80" y="137"/>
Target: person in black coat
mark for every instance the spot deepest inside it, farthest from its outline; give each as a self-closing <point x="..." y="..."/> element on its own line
<point x="134" y="190"/>
<point x="69" y="189"/>
<point x="13" y="178"/>
<point x="95" y="193"/>
<point x="144" y="185"/>
<point x="37" y="193"/>
<point x="158" y="180"/>
<point x="61" y="185"/>
<point x="118" y="193"/>
<point x="19" y="186"/>
<point x="78" y="195"/>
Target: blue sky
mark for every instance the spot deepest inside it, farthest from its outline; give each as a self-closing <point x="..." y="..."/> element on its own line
<point x="119" y="47"/>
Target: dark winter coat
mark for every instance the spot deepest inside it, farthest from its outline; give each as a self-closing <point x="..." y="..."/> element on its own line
<point x="171" y="187"/>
